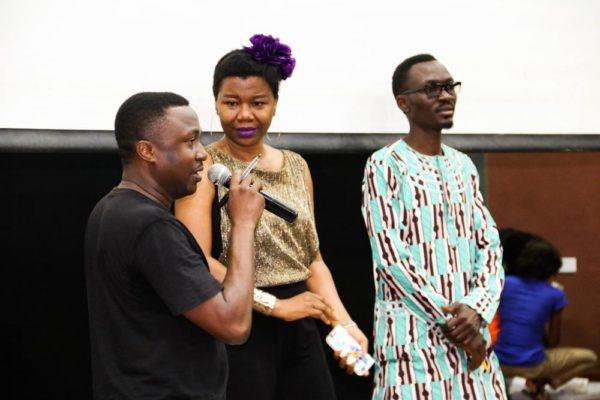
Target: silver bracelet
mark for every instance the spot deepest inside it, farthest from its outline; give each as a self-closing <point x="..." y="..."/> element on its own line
<point x="264" y="302"/>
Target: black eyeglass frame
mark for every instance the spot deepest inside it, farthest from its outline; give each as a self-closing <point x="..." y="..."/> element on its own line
<point x="449" y="87"/>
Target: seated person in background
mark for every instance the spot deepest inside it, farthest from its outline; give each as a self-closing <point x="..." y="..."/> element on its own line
<point x="530" y="311"/>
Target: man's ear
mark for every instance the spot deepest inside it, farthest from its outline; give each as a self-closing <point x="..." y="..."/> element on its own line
<point x="145" y="150"/>
<point x="402" y="103"/>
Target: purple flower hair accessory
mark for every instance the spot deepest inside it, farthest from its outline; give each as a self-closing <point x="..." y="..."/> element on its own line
<point x="269" y="50"/>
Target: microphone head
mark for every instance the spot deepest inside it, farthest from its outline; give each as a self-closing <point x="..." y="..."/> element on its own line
<point x="219" y="174"/>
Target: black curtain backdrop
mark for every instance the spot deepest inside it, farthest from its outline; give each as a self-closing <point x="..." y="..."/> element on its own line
<point x="47" y="199"/>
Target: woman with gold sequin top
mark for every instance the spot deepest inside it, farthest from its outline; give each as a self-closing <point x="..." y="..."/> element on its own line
<point x="284" y="356"/>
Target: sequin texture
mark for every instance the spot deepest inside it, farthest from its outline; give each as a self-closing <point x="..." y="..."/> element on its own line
<point x="283" y="251"/>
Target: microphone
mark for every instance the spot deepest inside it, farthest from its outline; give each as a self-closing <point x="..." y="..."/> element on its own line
<point x="220" y="175"/>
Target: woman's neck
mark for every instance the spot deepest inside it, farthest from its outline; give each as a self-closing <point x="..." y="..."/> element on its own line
<point x="242" y="153"/>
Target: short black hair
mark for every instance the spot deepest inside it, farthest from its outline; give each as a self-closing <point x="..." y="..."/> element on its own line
<point x="137" y="114"/>
<point x="513" y="241"/>
<point x="241" y="64"/>
<point x="401" y="72"/>
<point x="529" y="256"/>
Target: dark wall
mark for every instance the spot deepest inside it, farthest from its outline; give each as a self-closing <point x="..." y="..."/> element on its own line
<point x="345" y="248"/>
<point x="47" y="199"/>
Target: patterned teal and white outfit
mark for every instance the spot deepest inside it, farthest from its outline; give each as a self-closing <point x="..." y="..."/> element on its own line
<point x="433" y="242"/>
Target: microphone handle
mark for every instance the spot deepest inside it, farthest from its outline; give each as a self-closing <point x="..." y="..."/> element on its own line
<point x="271" y="205"/>
<point x="223" y="200"/>
<point x="279" y="209"/>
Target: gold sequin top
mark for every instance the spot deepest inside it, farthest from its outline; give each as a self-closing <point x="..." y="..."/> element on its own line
<point x="283" y="250"/>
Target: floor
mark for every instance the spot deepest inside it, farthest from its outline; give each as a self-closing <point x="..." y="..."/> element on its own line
<point x="576" y="389"/>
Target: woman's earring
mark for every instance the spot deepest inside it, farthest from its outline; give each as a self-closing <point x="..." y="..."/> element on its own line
<point x="274" y="130"/>
<point x="212" y="119"/>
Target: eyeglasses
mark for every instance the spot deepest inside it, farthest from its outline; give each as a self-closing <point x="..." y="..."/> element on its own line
<point x="433" y="90"/>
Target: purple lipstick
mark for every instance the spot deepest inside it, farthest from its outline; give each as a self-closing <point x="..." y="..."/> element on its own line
<point x="246" y="132"/>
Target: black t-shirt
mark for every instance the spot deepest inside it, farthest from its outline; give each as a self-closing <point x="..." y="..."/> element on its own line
<point x="143" y="270"/>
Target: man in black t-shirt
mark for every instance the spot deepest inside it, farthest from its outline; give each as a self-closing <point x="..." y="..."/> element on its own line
<point x="158" y="319"/>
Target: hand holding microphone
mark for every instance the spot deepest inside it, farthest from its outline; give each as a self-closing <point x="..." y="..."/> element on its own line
<point x="246" y="172"/>
<point x="220" y="175"/>
<point x="246" y="205"/>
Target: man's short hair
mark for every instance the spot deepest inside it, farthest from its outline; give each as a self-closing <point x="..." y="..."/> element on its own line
<point x="401" y="72"/>
<point x="136" y="116"/>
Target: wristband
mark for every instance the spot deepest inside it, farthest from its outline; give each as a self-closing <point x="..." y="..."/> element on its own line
<point x="264" y="302"/>
<point x="348" y="324"/>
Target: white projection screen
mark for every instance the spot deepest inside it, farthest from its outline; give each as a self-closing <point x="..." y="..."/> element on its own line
<point x="527" y="66"/>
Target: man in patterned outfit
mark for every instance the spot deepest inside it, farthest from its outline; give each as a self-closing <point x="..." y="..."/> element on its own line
<point x="437" y="258"/>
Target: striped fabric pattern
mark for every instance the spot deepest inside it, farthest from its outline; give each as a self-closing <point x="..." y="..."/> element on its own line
<point x="433" y="242"/>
